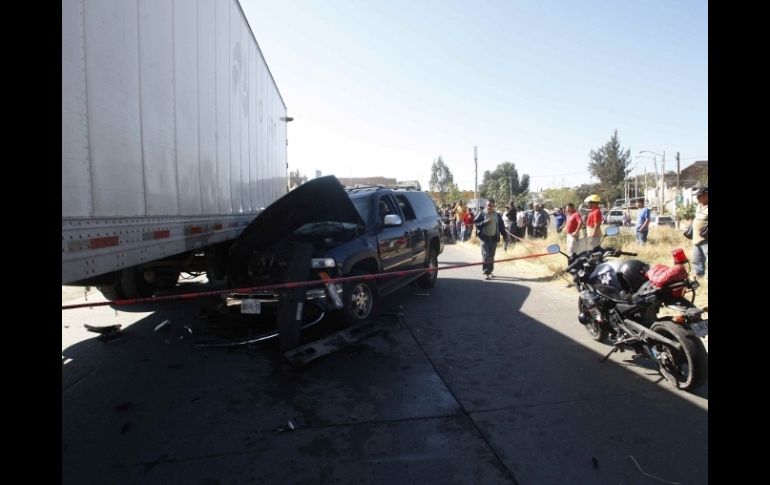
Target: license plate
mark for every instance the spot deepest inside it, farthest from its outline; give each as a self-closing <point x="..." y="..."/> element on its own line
<point x="252" y="307"/>
<point x="701" y="329"/>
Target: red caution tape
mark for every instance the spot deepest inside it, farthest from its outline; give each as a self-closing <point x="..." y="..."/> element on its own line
<point x="292" y="285"/>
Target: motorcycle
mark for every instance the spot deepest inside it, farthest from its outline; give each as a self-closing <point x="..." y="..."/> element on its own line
<point x="620" y="302"/>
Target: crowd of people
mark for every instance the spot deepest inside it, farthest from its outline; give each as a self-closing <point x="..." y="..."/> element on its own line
<point x="513" y="224"/>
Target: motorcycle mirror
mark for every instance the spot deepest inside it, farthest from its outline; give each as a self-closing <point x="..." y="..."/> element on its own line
<point x="612" y="231"/>
<point x="553" y="249"/>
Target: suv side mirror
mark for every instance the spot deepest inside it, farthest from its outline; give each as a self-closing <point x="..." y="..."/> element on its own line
<point x="392" y="220"/>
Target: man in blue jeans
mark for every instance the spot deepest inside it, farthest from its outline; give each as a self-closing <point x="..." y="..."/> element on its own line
<point x="642" y="222"/>
<point x="700" y="236"/>
<point x="490" y="227"/>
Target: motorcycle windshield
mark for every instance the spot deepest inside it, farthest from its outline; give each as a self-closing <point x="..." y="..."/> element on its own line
<point x="586" y="244"/>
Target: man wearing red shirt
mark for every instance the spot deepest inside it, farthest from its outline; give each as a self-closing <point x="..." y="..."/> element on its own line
<point x="594" y="220"/>
<point x="572" y="226"/>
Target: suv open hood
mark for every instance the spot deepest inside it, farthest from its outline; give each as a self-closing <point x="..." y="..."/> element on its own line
<point x="318" y="200"/>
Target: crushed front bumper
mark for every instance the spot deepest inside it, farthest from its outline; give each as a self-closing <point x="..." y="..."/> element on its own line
<point x="327" y="298"/>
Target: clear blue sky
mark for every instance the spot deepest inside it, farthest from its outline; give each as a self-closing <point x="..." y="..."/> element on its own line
<point x="382" y="87"/>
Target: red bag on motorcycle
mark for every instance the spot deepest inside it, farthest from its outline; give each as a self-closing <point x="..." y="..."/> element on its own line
<point x="661" y="275"/>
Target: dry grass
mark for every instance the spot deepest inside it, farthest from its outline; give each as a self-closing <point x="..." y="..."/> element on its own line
<point x="660" y="243"/>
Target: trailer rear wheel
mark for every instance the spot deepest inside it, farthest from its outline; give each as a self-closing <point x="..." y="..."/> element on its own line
<point x="131" y="284"/>
<point x="138" y="284"/>
<point x="167" y="281"/>
<point x="112" y="292"/>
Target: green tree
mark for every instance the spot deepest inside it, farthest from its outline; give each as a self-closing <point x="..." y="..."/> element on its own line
<point x="610" y="165"/>
<point x="296" y="179"/>
<point x="454" y="194"/>
<point x="584" y="191"/>
<point x="504" y="184"/>
<point x="441" y="179"/>
<point x="560" y="197"/>
<point x="704" y="178"/>
<point x="687" y="212"/>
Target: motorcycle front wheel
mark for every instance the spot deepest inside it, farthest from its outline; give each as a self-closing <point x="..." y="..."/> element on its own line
<point x="596" y="330"/>
<point x="686" y="368"/>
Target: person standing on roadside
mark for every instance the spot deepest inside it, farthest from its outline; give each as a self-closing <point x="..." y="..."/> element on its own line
<point x="530" y="214"/>
<point x="467" y="224"/>
<point x="521" y="222"/>
<point x="642" y="222"/>
<point x="700" y="234"/>
<point x="559" y="218"/>
<point x="489" y="225"/>
<point x="540" y="221"/>
<point x="594" y="219"/>
<point x="509" y="218"/>
<point x="460" y="211"/>
<point x="572" y="227"/>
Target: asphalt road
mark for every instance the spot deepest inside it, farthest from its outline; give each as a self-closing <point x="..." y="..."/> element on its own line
<point x="480" y="382"/>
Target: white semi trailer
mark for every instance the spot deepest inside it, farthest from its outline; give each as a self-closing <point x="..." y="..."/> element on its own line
<point x="173" y="139"/>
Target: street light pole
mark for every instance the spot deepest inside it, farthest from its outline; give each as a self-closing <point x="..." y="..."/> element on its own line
<point x="662" y="197"/>
<point x="476" y="175"/>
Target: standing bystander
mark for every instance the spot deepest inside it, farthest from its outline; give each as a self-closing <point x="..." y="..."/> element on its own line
<point x="642" y="222"/>
<point x="572" y="227"/>
<point x="700" y="232"/>
<point x="489" y="225"/>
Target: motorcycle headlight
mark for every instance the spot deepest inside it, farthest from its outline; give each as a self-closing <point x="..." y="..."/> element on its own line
<point x="316" y="263"/>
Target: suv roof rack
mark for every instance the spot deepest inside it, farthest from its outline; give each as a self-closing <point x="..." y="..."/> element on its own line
<point x="378" y="187"/>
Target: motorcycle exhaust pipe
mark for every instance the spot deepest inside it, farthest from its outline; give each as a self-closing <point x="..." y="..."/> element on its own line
<point x="647" y="333"/>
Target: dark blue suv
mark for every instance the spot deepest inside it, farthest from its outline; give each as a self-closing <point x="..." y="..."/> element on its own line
<point x="328" y="231"/>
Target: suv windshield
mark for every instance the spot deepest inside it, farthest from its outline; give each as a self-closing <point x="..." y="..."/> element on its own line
<point x="362" y="205"/>
<point x="325" y="227"/>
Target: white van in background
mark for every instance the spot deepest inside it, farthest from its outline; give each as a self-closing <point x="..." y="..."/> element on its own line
<point x="615" y="217"/>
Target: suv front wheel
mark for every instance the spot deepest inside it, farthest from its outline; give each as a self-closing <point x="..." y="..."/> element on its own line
<point x="360" y="299"/>
<point x="428" y="280"/>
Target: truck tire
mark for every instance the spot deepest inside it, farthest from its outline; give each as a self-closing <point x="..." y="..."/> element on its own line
<point x="112" y="292"/>
<point x="167" y="281"/>
<point x="428" y="280"/>
<point x="135" y="285"/>
<point x="360" y="300"/>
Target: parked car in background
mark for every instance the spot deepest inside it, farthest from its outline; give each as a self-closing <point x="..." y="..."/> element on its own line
<point x="657" y="220"/>
<point x="615" y="217"/>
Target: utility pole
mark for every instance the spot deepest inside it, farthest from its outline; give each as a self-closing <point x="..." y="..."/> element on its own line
<point x="663" y="183"/>
<point x="510" y="188"/>
<point x="676" y="199"/>
<point x="657" y="190"/>
<point x="636" y="186"/>
<point x="476" y="175"/>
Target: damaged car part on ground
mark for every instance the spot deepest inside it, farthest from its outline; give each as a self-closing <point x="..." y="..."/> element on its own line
<point x="320" y="231"/>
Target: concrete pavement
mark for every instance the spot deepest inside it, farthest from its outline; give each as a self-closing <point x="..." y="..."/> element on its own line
<point x="481" y="382"/>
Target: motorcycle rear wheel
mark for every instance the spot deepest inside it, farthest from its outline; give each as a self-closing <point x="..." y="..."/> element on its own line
<point x="596" y="330"/>
<point x="686" y="369"/>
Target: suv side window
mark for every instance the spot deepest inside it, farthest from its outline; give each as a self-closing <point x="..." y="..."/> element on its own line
<point x="422" y="205"/>
<point x="406" y="207"/>
<point x="386" y="206"/>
